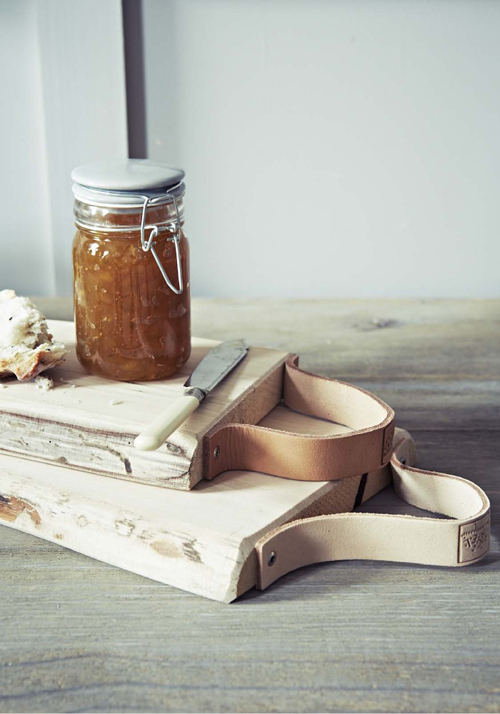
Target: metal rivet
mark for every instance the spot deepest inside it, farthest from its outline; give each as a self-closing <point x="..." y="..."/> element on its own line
<point x="272" y="558"/>
<point x="216" y="452"/>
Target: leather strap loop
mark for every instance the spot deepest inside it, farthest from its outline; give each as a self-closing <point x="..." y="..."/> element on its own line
<point x="376" y="536"/>
<point x="301" y="456"/>
<point x="460" y="539"/>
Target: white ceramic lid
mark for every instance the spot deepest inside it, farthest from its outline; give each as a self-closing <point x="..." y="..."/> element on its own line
<point x="127" y="175"/>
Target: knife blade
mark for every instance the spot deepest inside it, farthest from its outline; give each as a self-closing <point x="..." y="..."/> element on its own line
<point x="212" y="369"/>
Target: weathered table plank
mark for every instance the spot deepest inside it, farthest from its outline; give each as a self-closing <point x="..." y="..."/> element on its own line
<point x="78" y="635"/>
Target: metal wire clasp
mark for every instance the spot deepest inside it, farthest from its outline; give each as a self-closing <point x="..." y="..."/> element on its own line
<point x="148" y="245"/>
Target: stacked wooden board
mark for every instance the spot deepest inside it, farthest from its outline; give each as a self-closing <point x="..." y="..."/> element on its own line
<point x="69" y="472"/>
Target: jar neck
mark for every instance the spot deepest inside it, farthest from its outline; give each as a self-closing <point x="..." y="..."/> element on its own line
<point x="124" y="219"/>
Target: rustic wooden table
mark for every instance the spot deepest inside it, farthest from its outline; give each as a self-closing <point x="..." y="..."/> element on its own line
<point x="78" y="635"/>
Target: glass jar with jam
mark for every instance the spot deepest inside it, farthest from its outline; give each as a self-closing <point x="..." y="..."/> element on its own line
<point x="131" y="270"/>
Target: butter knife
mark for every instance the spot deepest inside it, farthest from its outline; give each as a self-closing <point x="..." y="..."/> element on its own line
<point x="212" y="369"/>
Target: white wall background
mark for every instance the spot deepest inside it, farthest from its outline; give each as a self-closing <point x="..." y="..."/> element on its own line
<point x="333" y="148"/>
<point x="26" y="248"/>
<point x="62" y="104"/>
<point x="345" y="148"/>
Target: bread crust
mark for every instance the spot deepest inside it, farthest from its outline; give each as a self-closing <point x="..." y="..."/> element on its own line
<point x="29" y="365"/>
<point x="35" y="349"/>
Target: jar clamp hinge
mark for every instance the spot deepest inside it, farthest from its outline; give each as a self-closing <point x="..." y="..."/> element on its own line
<point x="148" y="245"/>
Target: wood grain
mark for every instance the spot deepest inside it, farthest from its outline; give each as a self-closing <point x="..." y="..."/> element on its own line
<point x="78" y="635"/>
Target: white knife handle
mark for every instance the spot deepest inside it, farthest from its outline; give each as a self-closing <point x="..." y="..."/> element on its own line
<point x="168" y="421"/>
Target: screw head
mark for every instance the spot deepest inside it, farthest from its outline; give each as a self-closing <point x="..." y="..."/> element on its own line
<point x="272" y="558"/>
<point x="216" y="452"/>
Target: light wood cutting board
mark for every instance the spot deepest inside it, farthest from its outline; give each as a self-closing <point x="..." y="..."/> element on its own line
<point x="90" y="423"/>
<point x="202" y="541"/>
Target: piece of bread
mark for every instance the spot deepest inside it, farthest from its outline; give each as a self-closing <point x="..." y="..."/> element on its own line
<point x="26" y="345"/>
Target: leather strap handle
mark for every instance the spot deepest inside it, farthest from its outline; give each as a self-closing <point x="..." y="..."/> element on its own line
<point x="376" y="536"/>
<point x="305" y="457"/>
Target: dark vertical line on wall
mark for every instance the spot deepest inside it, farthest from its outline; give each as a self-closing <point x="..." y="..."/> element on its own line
<point x="133" y="40"/>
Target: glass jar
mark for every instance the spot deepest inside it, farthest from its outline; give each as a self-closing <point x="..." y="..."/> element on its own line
<point x="131" y="270"/>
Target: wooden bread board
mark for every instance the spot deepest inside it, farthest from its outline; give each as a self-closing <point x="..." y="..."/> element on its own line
<point x="89" y="423"/>
<point x="202" y="541"/>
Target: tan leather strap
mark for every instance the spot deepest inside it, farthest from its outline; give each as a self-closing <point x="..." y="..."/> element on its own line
<point x="376" y="536"/>
<point x="301" y="456"/>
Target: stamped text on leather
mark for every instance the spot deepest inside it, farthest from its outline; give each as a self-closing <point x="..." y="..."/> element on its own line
<point x="474" y="539"/>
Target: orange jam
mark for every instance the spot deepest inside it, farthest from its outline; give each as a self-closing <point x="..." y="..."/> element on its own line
<point x="130" y="324"/>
